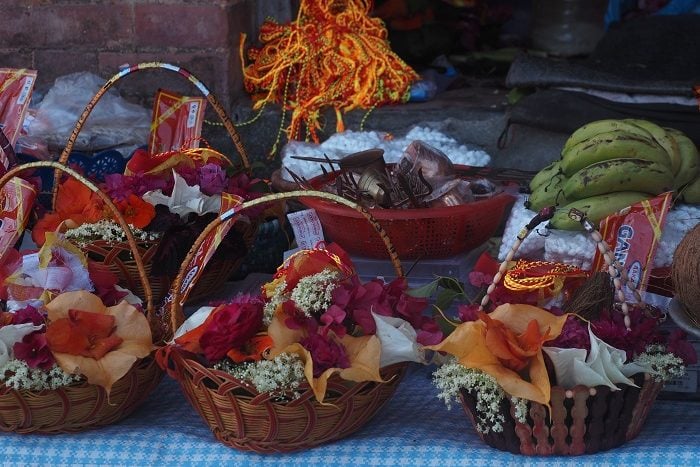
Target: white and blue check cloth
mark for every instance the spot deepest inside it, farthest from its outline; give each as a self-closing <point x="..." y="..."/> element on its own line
<point x="414" y="428"/>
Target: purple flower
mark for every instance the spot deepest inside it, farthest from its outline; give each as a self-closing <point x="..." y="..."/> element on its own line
<point x="119" y="187"/>
<point x="468" y="312"/>
<point x="325" y="353"/>
<point x="28" y="314"/>
<point x="574" y="334"/>
<point x="35" y="351"/>
<point x="212" y="179"/>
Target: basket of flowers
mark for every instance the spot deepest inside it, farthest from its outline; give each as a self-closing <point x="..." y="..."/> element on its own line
<point x="309" y="360"/>
<point x="75" y="347"/>
<point x="167" y="198"/>
<point x="576" y="376"/>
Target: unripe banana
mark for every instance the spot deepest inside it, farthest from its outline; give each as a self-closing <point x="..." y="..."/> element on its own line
<point x="596" y="208"/>
<point x="616" y="175"/>
<point x="545" y="175"/>
<point x="547" y="194"/>
<point x="690" y="159"/>
<point x="597" y="127"/>
<point x="613" y="145"/>
<point x="691" y="192"/>
<point x="664" y="140"/>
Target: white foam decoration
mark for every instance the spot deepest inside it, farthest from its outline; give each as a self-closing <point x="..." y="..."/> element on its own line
<point x="577" y="248"/>
<point x="348" y="142"/>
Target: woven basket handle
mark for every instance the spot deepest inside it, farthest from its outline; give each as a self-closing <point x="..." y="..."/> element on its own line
<point x="124" y="225"/>
<point x="176" y="315"/>
<point x="213" y="101"/>
<point x="615" y="269"/>
<point x="9" y="151"/>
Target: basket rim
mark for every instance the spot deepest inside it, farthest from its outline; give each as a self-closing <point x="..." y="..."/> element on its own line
<point x="498" y="200"/>
<point x="181" y="359"/>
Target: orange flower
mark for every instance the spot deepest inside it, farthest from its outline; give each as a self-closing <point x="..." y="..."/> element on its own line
<point x="83" y="333"/>
<point x="75" y="202"/>
<point x="109" y="340"/>
<point x="136" y="211"/>
<point x="507" y="344"/>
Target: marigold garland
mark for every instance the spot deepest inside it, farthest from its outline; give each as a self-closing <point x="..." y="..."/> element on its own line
<point x="333" y="55"/>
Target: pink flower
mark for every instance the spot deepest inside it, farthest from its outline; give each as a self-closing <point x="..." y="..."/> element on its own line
<point x="480" y="279"/>
<point x="679" y="346"/>
<point x="468" y="312"/>
<point x="325" y="353"/>
<point x="212" y="179"/>
<point x="574" y="334"/>
<point x="231" y="327"/>
<point x="333" y="319"/>
<point x="429" y="332"/>
<point x="35" y="351"/>
<point x="610" y="327"/>
<point x="119" y="187"/>
<point x="28" y="314"/>
<point x="189" y="174"/>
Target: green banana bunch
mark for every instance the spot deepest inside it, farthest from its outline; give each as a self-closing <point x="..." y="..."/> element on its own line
<point x="615" y="175"/>
<point x="547" y="194"/>
<point x="691" y="192"/>
<point x="596" y="208"/>
<point x="663" y="139"/>
<point x="589" y="130"/>
<point x="612" y="145"/>
<point x="545" y="175"/>
<point x="690" y="159"/>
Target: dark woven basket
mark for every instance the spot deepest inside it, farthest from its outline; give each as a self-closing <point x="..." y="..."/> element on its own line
<point x="244" y="419"/>
<point x="583" y="420"/>
<point x="115" y="254"/>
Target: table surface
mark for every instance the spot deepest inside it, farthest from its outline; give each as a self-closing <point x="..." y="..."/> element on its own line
<point x="414" y="428"/>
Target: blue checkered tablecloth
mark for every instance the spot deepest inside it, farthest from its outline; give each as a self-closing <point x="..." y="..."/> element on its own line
<point x="414" y="428"/>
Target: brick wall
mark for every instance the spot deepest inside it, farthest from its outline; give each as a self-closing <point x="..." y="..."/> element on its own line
<point x="58" y="37"/>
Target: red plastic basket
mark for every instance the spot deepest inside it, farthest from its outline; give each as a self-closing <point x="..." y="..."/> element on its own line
<point x="415" y="233"/>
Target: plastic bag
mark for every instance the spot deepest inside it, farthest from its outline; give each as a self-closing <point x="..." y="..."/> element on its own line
<point x="113" y="123"/>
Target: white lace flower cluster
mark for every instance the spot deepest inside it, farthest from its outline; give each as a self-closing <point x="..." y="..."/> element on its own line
<point x="280" y="376"/>
<point x="452" y="377"/>
<point x="664" y="365"/>
<point x="108" y="230"/>
<point x="313" y="293"/>
<point x="16" y="374"/>
<point x="275" y="301"/>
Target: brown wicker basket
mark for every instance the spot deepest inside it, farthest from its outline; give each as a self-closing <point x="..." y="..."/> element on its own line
<point x="242" y="418"/>
<point x="81" y="406"/>
<point x="117" y="254"/>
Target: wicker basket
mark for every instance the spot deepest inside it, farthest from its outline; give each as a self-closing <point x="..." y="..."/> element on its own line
<point x="582" y="420"/>
<point x="82" y="406"/>
<point x="242" y="418"/>
<point x="117" y="255"/>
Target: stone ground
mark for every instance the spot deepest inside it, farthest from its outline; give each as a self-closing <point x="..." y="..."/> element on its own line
<point x="475" y="114"/>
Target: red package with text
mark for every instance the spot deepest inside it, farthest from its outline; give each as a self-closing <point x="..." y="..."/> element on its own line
<point x="16" y="87"/>
<point x="177" y="122"/>
<point x="16" y="202"/>
<point x="634" y="235"/>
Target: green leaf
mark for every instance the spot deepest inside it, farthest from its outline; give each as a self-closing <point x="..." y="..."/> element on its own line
<point x="445" y="298"/>
<point x="424" y="291"/>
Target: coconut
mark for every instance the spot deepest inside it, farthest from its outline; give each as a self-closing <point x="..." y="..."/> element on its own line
<point x="685" y="273"/>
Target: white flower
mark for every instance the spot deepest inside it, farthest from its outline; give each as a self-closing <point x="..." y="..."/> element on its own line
<point x="107" y="230"/>
<point x="184" y="199"/>
<point x="17" y="375"/>
<point x="398" y="341"/>
<point x="281" y="375"/>
<point x="663" y="365"/>
<point x="605" y="365"/>
<point x="313" y="294"/>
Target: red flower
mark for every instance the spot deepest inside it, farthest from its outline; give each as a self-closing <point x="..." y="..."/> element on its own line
<point x="105" y="281"/>
<point x="231" y="326"/>
<point x="325" y="353"/>
<point x="35" y="351"/>
<point x="679" y="346"/>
